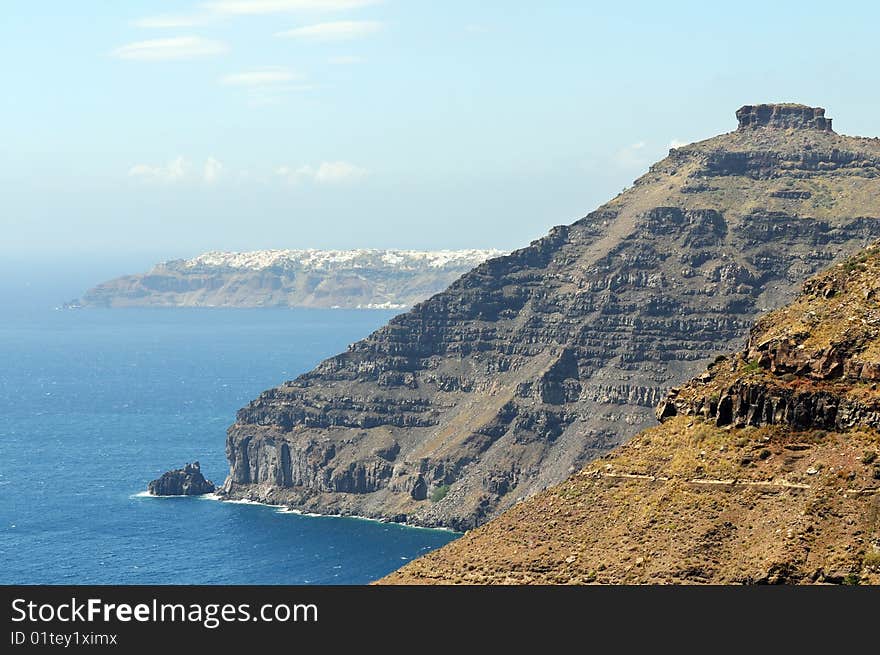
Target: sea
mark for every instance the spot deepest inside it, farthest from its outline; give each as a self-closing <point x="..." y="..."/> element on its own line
<point x="96" y="403"/>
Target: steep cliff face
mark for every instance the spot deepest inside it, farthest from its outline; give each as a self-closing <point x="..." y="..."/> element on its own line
<point x="765" y="469"/>
<point x="784" y="115"/>
<point x="537" y="362"/>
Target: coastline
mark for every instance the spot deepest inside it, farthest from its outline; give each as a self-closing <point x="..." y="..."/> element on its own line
<point x="287" y="509"/>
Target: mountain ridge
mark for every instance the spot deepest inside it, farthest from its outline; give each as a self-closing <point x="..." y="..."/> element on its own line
<point x="533" y="364"/>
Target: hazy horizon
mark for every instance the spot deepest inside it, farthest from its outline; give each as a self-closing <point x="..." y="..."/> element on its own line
<point x="143" y="131"/>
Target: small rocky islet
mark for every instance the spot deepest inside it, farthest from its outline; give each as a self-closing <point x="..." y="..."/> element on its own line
<point x="186" y="481"/>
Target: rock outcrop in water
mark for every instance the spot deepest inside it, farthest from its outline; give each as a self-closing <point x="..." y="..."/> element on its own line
<point x="187" y="481"/>
<point x="537" y="362"/>
<point x="765" y="470"/>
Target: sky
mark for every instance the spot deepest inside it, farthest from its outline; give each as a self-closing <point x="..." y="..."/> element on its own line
<point x="139" y="131"/>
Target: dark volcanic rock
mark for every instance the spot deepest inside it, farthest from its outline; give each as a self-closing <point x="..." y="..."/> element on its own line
<point x="187" y="481"/>
<point x="784" y="116"/>
<point x="532" y="364"/>
<point x="803" y="363"/>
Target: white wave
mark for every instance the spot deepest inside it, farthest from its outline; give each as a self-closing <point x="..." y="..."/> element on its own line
<point x="147" y="494"/>
<point x="290" y="510"/>
<point x="357" y="517"/>
<point x="285" y="509"/>
<point x="248" y="501"/>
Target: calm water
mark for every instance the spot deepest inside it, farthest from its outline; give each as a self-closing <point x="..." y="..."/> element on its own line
<point x="94" y="404"/>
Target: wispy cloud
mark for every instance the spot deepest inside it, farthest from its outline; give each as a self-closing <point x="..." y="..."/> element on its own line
<point x="181" y="171"/>
<point x="267" y="86"/>
<point x="328" y="172"/>
<point x="178" y="170"/>
<point x="212" y="170"/>
<point x="279" y="6"/>
<point x="174" y="171"/>
<point x="170" y="21"/>
<point x="341" y="30"/>
<point x="295" y="175"/>
<point x="181" y="47"/>
<point x="262" y="77"/>
<point x="677" y="143"/>
<point x="332" y="172"/>
<point x="631" y="156"/>
<point x="218" y="8"/>
<point x="345" y="60"/>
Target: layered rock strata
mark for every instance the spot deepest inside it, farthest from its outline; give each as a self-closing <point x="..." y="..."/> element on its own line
<point x="766" y="469"/>
<point x="535" y="363"/>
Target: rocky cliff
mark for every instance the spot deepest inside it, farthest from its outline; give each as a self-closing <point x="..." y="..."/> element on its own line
<point x="765" y="469"/>
<point x="535" y="363"/>
<point x="353" y="279"/>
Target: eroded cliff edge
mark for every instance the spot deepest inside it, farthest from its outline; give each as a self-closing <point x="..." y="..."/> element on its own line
<point x="766" y="469"/>
<point x="534" y="363"/>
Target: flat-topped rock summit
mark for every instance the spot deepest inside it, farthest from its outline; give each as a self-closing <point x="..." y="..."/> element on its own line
<point x="784" y="116"/>
<point x="535" y="363"/>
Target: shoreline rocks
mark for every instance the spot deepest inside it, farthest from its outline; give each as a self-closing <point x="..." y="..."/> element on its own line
<point x="187" y="481"/>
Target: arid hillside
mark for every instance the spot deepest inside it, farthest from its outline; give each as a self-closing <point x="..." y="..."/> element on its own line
<point x="765" y="469"/>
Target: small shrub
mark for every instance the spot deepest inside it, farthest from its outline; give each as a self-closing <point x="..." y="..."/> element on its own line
<point x="872" y="560"/>
<point x="789" y="377"/>
<point x="869" y="457"/>
<point x="751" y="367"/>
<point x="439" y="493"/>
<point x="764" y="454"/>
<point x="852" y="579"/>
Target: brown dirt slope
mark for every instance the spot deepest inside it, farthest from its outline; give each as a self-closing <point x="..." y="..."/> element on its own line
<point x="764" y="470"/>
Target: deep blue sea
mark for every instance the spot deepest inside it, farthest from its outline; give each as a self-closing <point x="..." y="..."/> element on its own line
<point x="95" y="403"/>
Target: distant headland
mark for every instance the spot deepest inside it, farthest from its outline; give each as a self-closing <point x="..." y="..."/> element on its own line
<point x="346" y="279"/>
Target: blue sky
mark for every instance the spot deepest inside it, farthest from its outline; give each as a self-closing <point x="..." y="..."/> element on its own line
<point x="139" y="131"/>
